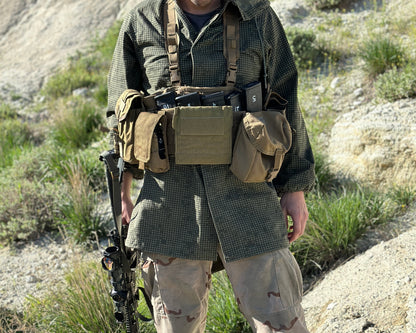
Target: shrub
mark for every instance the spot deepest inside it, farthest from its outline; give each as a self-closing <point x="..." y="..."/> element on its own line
<point x="11" y="321"/>
<point x="77" y="124"/>
<point x="7" y="112"/>
<point x="397" y="83"/>
<point x="380" y="55"/>
<point x="15" y="137"/>
<point x="82" y="71"/>
<point x="105" y="46"/>
<point x="305" y="51"/>
<point x="85" y="71"/>
<point x="28" y="208"/>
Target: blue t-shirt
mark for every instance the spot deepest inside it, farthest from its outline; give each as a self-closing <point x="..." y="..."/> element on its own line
<point x="199" y="20"/>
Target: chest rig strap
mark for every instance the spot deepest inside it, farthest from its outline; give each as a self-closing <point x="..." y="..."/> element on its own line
<point x="231" y="37"/>
<point x="231" y="43"/>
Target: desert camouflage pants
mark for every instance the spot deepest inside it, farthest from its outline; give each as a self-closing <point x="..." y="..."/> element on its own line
<point x="268" y="290"/>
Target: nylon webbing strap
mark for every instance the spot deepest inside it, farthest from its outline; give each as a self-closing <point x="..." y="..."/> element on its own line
<point x="172" y="42"/>
<point x="231" y="42"/>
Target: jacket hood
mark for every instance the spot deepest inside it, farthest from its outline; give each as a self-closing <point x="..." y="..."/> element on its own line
<point x="250" y="8"/>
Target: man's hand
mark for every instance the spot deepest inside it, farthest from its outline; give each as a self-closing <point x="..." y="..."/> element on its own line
<point x="294" y="205"/>
<point x="126" y="203"/>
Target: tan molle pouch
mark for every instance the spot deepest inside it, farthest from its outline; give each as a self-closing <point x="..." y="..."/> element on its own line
<point x="128" y="106"/>
<point x="203" y="134"/>
<point x="150" y="145"/>
<point x="263" y="139"/>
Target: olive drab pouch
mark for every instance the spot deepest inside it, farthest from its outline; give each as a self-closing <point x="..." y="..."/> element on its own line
<point x="128" y="107"/>
<point x="263" y="139"/>
<point x="203" y="134"/>
<point x="150" y="146"/>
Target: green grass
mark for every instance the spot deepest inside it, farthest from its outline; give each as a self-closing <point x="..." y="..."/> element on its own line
<point x="37" y="168"/>
<point x="15" y="136"/>
<point x="78" y="125"/>
<point x="83" y="304"/>
<point x="336" y="220"/>
<point x="381" y="54"/>
<point x="223" y="312"/>
<point x="78" y="209"/>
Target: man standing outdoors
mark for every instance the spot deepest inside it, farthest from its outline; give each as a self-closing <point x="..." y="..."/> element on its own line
<point x="186" y="217"/>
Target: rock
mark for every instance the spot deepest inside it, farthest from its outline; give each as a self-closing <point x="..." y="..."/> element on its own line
<point x="358" y="92"/>
<point x="83" y="92"/>
<point x="35" y="268"/>
<point x="32" y="279"/>
<point x="376" y="145"/>
<point x="335" y="83"/>
<point x="290" y="12"/>
<point x="365" y="293"/>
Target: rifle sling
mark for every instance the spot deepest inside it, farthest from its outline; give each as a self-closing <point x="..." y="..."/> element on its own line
<point x="114" y="188"/>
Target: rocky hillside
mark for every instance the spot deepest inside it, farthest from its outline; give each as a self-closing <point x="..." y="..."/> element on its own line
<point x="36" y="37"/>
<point x="373" y="143"/>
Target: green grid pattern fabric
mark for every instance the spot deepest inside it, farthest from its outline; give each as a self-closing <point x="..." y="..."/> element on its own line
<point x="188" y="210"/>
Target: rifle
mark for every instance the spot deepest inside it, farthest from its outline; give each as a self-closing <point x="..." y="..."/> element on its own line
<point x="118" y="261"/>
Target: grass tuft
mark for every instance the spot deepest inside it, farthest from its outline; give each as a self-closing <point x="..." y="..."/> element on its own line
<point x="336" y="221"/>
<point x="380" y="55"/>
<point x="79" y="216"/>
<point x="223" y="312"/>
<point x="77" y="123"/>
<point x="83" y="304"/>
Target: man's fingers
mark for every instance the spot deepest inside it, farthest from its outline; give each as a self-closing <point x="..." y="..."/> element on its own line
<point x="299" y="225"/>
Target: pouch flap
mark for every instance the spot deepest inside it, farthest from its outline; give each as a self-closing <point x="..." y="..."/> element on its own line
<point x="203" y="120"/>
<point x="276" y="102"/>
<point x="268" y="131"/>
<point x="144" y="129"/>
<point x="129" y="99"/>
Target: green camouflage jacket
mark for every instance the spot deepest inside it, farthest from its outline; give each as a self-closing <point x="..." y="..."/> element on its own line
<point x="187" y="211"/>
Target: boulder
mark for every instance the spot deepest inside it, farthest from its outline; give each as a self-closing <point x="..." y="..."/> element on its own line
<point x="376" y="145"/>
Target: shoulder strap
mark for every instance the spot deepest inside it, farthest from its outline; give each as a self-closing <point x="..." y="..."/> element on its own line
<point x="172" y="42"/>
<point x="231" y="42"/>
<point x="231" y="37"/>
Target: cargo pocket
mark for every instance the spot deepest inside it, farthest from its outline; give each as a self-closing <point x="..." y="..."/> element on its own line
<point x="289" y="279"/>
<point x="203" y="134"/>
<point x="263" y="139"/>
<point x="150" y="142"/>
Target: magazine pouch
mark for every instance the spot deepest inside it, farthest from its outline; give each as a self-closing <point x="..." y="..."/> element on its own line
<point x="203" y="134"/>
<point x="150" y="145"/>
<point x="263" y="139"/>
<point x="128" y="106"/>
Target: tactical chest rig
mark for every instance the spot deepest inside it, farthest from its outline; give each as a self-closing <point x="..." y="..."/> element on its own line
<point x="252" y="143"/>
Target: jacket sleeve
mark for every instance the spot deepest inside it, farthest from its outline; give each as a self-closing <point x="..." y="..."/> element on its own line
<point x="297" y="172"/>
<point x="124" y="74"/>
